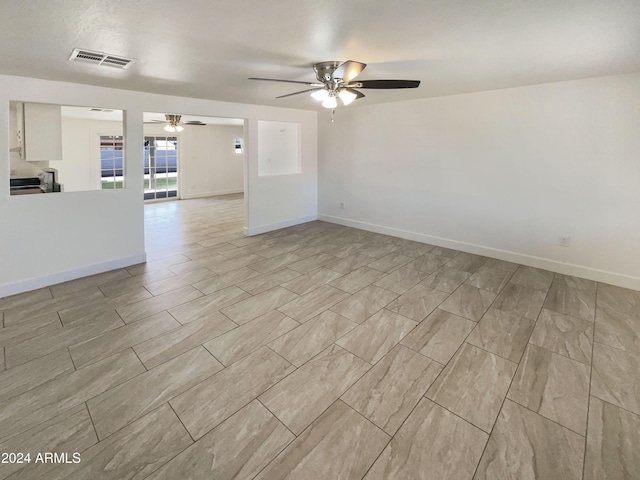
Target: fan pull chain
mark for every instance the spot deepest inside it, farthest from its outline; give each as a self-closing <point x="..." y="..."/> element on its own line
<point x="333" y="112"/>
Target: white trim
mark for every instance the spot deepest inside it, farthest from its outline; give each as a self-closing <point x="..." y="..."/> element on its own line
<point x="59" y="277"/>
<point x="276" y="226"/>
<point x="612" y="278"/>
<point x="213" y="194"/>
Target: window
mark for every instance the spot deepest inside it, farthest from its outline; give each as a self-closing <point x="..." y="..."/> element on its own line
<point x="160" y="167"/>
<point x="111" y="161"/>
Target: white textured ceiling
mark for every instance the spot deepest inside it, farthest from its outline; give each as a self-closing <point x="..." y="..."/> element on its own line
<point x="208" y="48"/>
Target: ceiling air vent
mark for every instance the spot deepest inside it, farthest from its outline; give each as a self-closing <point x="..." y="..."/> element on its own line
<point x="99" y="58"/>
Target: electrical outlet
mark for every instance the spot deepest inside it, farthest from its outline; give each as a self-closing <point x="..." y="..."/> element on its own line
<point x="342" y="205"/>
<point x="564" y="241"/>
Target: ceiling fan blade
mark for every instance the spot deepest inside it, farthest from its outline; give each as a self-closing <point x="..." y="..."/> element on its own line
<point x="298" y="93"/>
<point x="355" y="92"/>
<point x="348" y="70"/>
<point x="384" y="84"/>
<point x="287" y="81"/>
<point x="193" y="122"/>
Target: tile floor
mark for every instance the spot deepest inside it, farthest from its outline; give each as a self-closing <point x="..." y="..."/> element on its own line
<point x="319" y="352"/>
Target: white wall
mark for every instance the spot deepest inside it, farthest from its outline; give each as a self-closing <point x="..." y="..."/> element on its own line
<point x="294" y="193"/>
<point x="207" y="158"/>
<point x="502" y="173"/>
<point x="45" y="239"/>
<point x="278" y="148"/>
<point x="79" y="169"/>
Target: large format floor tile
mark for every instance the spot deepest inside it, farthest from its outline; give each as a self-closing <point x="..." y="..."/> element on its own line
<point x="615" y="377"/>
<point x="619" y="299"/>
<point x="166" y="346"/>
<point x="618" y="330"/>
<point x="613" y="442"/>
<point x="417" y="302"/>
<point x="349" y="263"/>
<point x="340" y="445"/>
<point x="358" y="279"/>
<point x="241" y="446"/>
<point x="390" y="262"/>
<point x="360" y="306"/>
<point x="372" y="339"/>
<point x="145" y="308"/>
<point x="305" y="394"/>
<point x="252" y="307"/>
<point x="48" y="342"/>
<point x="34" y="373"/>
<point x="492" y="279"/>
<point x="468" y="302"/>
<point x="112" y="410"/>
<point x="532" y="277"/>
<point x="133" y="452"/>
<point x="401" y="280"/>
<point x="37" y="405"/>
<point x="439" y="336"/>
<point x="565" y="335"/>
<point x="526" y="446"/>
<point x="467" y="262"/>
<point x="240" y="342"/>
<point x="521" y="300"/>
<point x="213" y="400"/>
<point x="22" y="312"/>
<point x="121" y="338"/>
<point x="29" y="329"/>
<point x="307" y="306"/>
<point x="428" y="263"/>
<point x="502" y="333"/>
<point x="302" y="284"/>
<point x="473" y="385"/>
<point x="306" y="341"/>
<point x="207" y="306"/>
<point x="388" y="358"/>
<point x="100" y="308"/>
<point x="25" y="299"/>
<point x="446" y="279"/>
<point x="71" y="431"/>
<point x="432" y="443"/>
<point x="554" y="386"/>
<point x="229" y="279"/>
<point x="574" y="282"/>
<point x="388" y="392"/>
<point x="269" y="280"/>
<point x="571" y="301"/>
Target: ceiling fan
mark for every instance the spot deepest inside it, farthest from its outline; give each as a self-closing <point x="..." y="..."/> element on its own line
<point x="336" y="81"/>
<point x="173" y="123"/>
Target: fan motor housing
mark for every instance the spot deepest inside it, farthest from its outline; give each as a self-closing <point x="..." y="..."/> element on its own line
<point x="324" y="70"/>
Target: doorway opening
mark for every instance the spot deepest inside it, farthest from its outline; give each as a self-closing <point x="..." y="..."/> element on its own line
<point x="161" y="155"/>
<point x="194" y="172"/>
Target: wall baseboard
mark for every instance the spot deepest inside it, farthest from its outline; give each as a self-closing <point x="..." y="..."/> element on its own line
<point x="276" y="226"/>
<point x="612" y="278"/>
<point x="59" y="277"/>
<point x="210" y="194"/>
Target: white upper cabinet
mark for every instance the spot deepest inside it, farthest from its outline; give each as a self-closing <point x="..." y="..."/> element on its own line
<point x="39" y="131"/>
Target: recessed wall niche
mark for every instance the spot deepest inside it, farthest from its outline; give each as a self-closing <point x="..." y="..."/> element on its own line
<point x="57" y="148"/>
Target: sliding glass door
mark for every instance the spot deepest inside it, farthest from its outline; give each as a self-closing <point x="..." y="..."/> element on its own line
<point x="160" y="167"/>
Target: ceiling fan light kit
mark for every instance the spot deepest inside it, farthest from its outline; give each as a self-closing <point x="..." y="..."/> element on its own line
<point x="174" y="124"/>
<point x="335" y="80"/>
